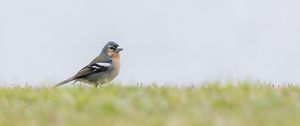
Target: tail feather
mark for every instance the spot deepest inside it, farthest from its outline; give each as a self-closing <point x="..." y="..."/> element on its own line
<point x="64" y="82"/>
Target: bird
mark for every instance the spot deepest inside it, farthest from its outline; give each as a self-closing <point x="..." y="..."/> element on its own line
<point x="103" y="69"/>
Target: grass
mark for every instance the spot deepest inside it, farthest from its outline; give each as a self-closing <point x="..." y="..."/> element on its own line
<point x="210" y="105"/>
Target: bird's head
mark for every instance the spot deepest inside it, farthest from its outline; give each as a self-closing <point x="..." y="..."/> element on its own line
<point x="112" y="49"/>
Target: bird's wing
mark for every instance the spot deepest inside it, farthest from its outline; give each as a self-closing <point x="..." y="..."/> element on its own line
<point x="93" y="68"/>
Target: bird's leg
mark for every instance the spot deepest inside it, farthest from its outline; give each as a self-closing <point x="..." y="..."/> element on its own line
<point x="96" y="84"/>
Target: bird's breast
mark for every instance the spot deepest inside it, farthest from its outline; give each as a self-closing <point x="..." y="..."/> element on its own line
<point x="117" y="64"/>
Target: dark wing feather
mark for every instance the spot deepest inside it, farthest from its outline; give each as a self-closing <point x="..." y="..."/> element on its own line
<point x="92" y="68"/>
<point x="86" y="71"/>
<point x="89" y="70"/>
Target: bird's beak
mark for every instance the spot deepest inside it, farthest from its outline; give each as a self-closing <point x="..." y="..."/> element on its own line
<point x="118" y="49"/>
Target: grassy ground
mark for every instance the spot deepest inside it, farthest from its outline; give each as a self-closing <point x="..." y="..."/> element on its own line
<point x="210" y="105"/>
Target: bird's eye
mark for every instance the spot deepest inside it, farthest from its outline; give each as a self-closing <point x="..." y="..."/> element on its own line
<point x="111" y="48"/>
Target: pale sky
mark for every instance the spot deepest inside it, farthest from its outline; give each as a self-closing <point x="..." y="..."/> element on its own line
<point x="170" y="41"/>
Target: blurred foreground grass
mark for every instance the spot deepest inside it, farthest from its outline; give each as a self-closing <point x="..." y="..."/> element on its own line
<point x="210" y="105"/>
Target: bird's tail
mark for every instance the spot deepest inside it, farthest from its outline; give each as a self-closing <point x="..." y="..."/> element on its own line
<point x="64" y="82"/>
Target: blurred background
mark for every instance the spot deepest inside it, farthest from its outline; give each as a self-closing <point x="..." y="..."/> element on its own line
<point x="170" y="41"/>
